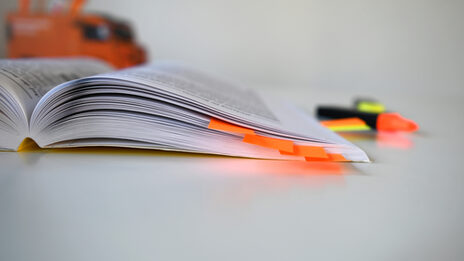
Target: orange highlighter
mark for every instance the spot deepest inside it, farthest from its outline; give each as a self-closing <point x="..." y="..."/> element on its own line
<point x="386" y="121"/>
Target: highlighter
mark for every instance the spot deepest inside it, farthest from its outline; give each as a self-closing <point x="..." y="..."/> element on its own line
<point x="386" y="121"/>
<point x="369" y="105"/>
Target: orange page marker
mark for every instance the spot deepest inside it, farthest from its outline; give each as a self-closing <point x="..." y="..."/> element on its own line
<point x="307" y="151"/>
<point x="331" y="157"/>
<point x="268" y="142"/>
<point x="311" y="151"/>
<point x="337" y="157"/>
<point x="216" y="124"/>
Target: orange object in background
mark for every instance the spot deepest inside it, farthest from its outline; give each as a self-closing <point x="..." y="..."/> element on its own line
<point x="70" y="33"/>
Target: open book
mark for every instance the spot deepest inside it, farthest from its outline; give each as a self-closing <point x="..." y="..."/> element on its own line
<point x="165" y="106"/>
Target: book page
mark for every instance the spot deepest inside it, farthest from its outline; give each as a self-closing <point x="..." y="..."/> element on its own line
<point x="195" y="90"/>
<point x="30" y="79"/>
<point x="185" y="81"/>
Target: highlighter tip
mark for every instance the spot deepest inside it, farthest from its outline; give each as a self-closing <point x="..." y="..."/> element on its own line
<point x="412" y="126"/>
<point x="395" y="122"/>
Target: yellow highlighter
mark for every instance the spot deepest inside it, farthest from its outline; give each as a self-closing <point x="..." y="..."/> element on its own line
<point x="369" y="105"/>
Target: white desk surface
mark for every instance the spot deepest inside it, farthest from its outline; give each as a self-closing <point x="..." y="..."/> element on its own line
<point x="135" y="205"/>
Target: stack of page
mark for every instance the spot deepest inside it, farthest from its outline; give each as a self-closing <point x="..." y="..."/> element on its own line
<point x="62" y="103"/>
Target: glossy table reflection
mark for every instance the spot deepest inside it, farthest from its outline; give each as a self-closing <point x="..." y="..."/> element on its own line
<point x="103" y="204"/>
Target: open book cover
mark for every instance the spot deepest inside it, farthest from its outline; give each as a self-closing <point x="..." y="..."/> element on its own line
<point x="63" y="103"/>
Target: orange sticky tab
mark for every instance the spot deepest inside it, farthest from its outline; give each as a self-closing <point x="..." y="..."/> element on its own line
<point x="307" y="151"/>
<point x="343" y="122"/>
<point x="310" y="151"/>
<point x="337" y="157"/>
<point x="331" y="157"/>
<point x="216" y="124"/>
<point x="268" y="142"/>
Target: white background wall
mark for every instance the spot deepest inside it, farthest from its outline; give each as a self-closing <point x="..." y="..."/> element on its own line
<point x="414" y="45"/>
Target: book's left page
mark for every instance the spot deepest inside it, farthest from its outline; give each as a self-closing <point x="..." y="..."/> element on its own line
<point x="24" y="81"/>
